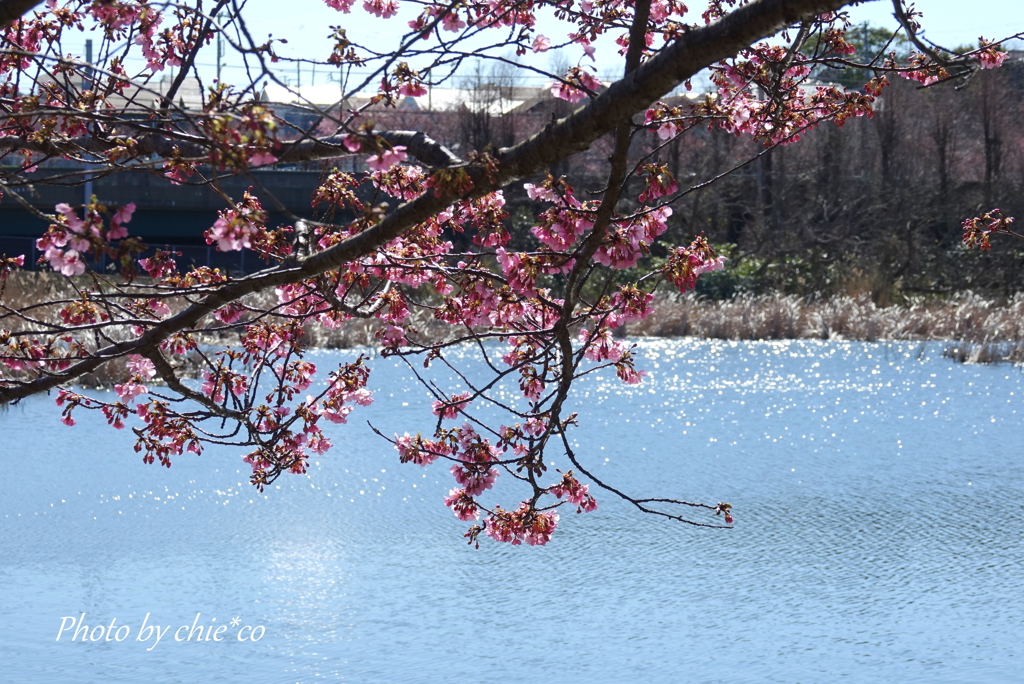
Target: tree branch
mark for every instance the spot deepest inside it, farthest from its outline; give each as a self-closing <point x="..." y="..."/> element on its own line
<point x="682" y="59"/>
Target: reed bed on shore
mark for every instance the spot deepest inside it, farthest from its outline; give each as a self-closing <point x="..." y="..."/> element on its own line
<point x="978" y="330"/>
<point x="30" y="301"/>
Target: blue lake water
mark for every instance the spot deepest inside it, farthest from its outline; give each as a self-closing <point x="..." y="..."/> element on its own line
<point x="877" y="490"/>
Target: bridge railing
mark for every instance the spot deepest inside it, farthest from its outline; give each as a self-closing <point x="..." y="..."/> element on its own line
<point x="232" y="263"/>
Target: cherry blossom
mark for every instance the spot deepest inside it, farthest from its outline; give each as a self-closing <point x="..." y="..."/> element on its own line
<point x="575" y="493"/>
<point x="385" y="9"/>
<point x="261" y="158"/>
<point x="524" y="524"/>
<point x="341" y="5"/>
<point x="431" y="248"/>
<point x="575" y="85"/>
<point x="463" y="505"/>
<point x="387" y="158"/>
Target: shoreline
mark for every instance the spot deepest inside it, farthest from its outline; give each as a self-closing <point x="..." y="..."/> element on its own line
<point x="975" y="329"/>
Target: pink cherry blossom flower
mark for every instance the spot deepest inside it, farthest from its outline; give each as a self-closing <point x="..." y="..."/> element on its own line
<point x="541" y="43"/>
<point x="229" y="314"/>
<point x="532" y="387"/>
<point x="628" y="374"/>
<point x="475" y="478"/>
<point x="115" y="416"/>
<point x="385" y="9"/>
<point x="463" y="505"/>
<point x="449" y="410"/>
<point x="660" y="10"/>
<point x="524" y="524"/>
<point x="991" y="58"/>
<point x="573" y="88"/>
<point x="361" y="396"/>
<point x="452" y="22"/>
<point x="141" y="366"/>
<point x="8" y="264"/>
<point x="262" y="158"/>
<point x="412" y="90"/>
<point x="124" y="214"/>
<point x="337" y="414"/>
<point x="534" y="427"/>
<point x="352" y="143"/>
<point x="179" y="172"/>
<point x="67" y="263"/>
<point x="410" y="450"/>
<point x="129" y="391"/>
<point x="714" y="265"/>
<point x="159" y="265"/>
<point x="394" y="336"/>
<point x="121" y="216"/>
<point x="211" y="387"/>
<point x="159" y="307"/>
<point x="231" y="235"/>
<point x="388" y="158"/>
<point x="117" y="233"/>
<point x="422" y="452"/>
<point x="537" y="192"/>
<point x="572" y="491"/>
<point x="600" y="347"/>
<point x="659" y="183"/>
<point x="318" y="442"/>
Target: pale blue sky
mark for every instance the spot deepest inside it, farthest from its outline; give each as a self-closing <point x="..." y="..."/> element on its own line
<point x="305" y="23"/>
<point x="947" y="22"/>
<point x="953" y="22"/>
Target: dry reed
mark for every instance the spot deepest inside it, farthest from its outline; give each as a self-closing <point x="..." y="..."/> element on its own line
<point x="978" y="330"/>
<point x="30" y="292"/>
<point x="31" y="301"/>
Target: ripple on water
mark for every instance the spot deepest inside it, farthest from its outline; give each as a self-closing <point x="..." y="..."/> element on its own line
<point x="875" y="488"/>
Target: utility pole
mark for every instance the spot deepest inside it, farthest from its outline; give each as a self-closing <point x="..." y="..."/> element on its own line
<point x="87" y="85"/>
<point x="220" y="48"/>
<point x="87" y="73"/>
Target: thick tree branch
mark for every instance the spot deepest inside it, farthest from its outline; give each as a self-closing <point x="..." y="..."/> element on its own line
<point x="679" y="61"/>
<point x="422" y="147"/>
<point x="695" y="50"/>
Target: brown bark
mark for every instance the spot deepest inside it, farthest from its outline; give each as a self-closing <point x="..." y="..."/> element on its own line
<point x="637" y="90"/>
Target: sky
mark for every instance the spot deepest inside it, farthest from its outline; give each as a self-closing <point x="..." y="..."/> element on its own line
<point x="305" y="23"/>
<point x="951" y="23"/>
<point x="947" y="22"/>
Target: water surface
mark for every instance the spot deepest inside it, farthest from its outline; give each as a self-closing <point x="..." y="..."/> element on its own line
<point x="877" y="492"/>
